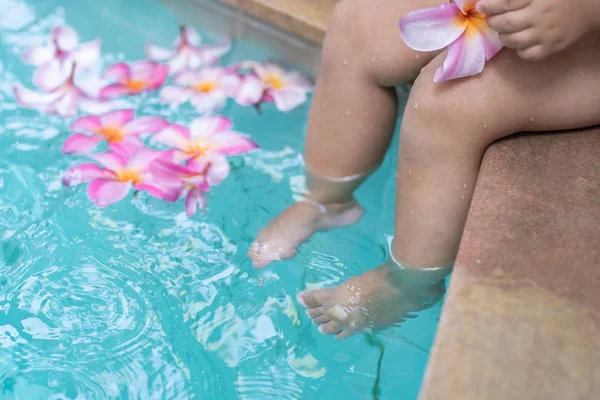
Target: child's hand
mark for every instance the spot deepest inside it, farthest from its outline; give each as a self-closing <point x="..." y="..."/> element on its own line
<point x="539" y="28"/>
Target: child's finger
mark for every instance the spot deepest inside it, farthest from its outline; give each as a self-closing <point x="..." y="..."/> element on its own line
<point x="510" y="22"/>
<point x="491" y="7"/>
<point x="520" y="40"/>
<point x="534" y="53"/>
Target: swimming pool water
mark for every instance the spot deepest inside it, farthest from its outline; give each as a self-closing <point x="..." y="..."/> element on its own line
<point x="137" y="301"/>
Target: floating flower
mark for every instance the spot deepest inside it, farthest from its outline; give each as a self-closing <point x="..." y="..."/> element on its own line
<point x="141" y="76"/>
<point x="459" y="26"/>
<point x="118" y="173"/>
<point x="270" y="83"/>
<point x="207" y="138"/>
<point x="61" y="97"/>
<point x="194" y="177"/>
<point x="188" y="54"/>
<point x="118" y="128"/>
<point x="59" y="55"/>
<point x="207" y="89"/>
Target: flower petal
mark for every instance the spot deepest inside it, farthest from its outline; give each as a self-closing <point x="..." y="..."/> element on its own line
<point x="209" y="102"/>
<point x="466" y="6"/>
<point x="87" y="53"/>
<point x="66" y="38"/>
<point x="287" y="99"/>
<point x="104" y="192"/>
<point x="175" y="95"/>
<point x="66" y="105"/>
<point x="31" y="99"/>
<point x="79" y="143"/>
<point x="218" y="170"/>
<point x="179" y="63"/>
<point x="50" y="76"/>
<point x="114" y="90"/>
<point x="208" y="126"/>
<point x="465" y="57"/>
<point x="195" y="200"/>
<point x="230" y="84"/>
<point x="38" y="55"/>
<point x="118" y="72"/>
<point x="233" y="143"/>
<point x="156" y="53"/>
<point x="126" y="147"/>
<point x="100" y="106"/>
<point x="116" y="119"/>
<point x="110" y="160"/>
<point x="251" y="91"/>
<point x="192" y="36"/>
<point x="146" y="70"/>
<point x="145" y="126"/>
<point x="89" y="123"/>
<point x="84" y="173"/>
<point x="297" y="80"/>
<point x="491" y="39"/>
<point x="432" y="28"/>
<point x="140" y="161"/>
<point x="174" y="135"/>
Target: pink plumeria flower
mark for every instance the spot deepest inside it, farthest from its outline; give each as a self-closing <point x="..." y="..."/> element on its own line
<point x="207" y="89"/>
<point x="117" y="173"/>
<point x="59" y="55"/>
<point x="195" y="178"/>
<point x="271" y="83"/>
<point x="61" y="97"/>
<point x="188" y="54"/>
<point x="459" y="26"/>
<point x="119" y="128"/>
<point x="207" y="138"/>
<point x="140" y="76"/>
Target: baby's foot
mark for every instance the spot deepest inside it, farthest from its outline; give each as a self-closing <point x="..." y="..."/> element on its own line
<point x="279" y="239"/>
<point x="372" y="301"/>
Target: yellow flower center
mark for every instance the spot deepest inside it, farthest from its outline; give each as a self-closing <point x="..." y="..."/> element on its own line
<point x="128" y="175"/>
<point x="273" y="81"/>
<point x="135" y="86"/>
<point x="111" y="133"/>
<point x="205" y="86"/>
<point x="197" y="149"/>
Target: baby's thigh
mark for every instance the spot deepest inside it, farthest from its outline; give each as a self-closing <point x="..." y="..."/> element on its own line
<point x="513" y="95"/>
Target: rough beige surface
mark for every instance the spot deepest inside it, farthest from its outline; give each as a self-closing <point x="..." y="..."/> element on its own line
<point x="522" y="315"/>
<point x="306" y="18"/>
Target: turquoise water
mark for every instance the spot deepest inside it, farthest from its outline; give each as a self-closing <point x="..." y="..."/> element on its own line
<point x="139" y="302"/>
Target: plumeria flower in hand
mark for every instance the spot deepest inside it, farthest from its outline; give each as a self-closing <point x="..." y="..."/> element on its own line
<point x="194" y="176"/>
<point x="459" y="26"/>
<point x="119" y="128"/>
<point x="61" y="97"/>
<point x="117" y="173"/>
<point x="271" y="83"/>
<point x="188" y="53"/>
<point x="59" y="55"/>
<point x="207" y="138"/>
<point x="140" y="76"/>
<point x="207" y="89"/>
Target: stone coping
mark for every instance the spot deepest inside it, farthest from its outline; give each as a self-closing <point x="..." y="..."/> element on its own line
<point x="522" y="315"/>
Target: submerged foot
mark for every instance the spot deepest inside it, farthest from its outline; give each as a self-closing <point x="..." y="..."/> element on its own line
<point x="280" y="238"/>
<point x="372" y="301"/>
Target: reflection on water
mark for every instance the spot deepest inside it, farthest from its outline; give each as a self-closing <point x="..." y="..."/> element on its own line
<point x="137" y="300"/>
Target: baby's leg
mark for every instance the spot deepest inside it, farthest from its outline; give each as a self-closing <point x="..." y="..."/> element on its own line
<point x="446" y="129"/>
<point x="351" y="121"/>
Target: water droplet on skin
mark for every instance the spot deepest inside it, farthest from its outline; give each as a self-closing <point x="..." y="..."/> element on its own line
<point x="416" y="105"/>
<point x="410" y="171"/>
<point x="417" y="56"/>
<point x="419" y="178"/>
<point x="462" y="161"/>
<point x="377" y="5"/>
<point x="345" y="62"/>
<point x="348" y="113"/>
<point x="412" y="212"/>
<point x="454" y="92"/>
<point x="462" y="197"/>
<point x="485" y="125"/>
<point x="532" y="119"/>
<point x="372" y="59"/>
<point x="381" y="63"/>
<point x="465" y="185"/>
<point x="435" y="184"/>
<point x="396" y="176"/>
<point x="457" y="187"/>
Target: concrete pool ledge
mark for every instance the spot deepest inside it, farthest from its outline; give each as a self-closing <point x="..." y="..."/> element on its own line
<point x="522" y="315"/>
